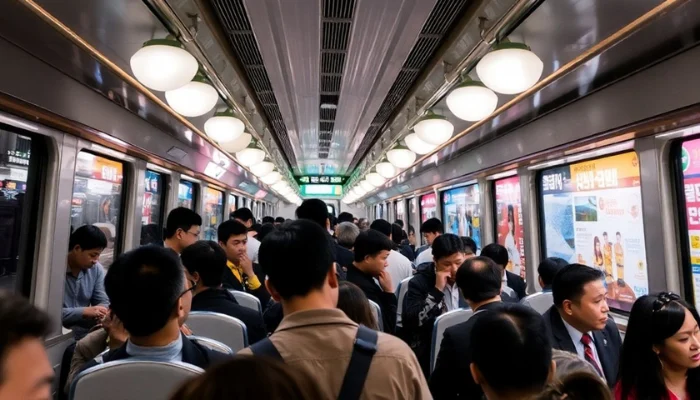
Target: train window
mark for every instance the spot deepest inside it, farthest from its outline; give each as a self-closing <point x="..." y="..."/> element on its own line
<point x="186" y="194"/>
<point x="592" y="214"/>
<point x="461" y="212"/>
<point x="97" y="195"/>
<point x="509" y="220"/>
<point x="152" y="211"/>
<point x="231" y="203"/>
<point x="213" y="212"/>
<point x="687" y="160"/>
<point x="401" y="213"/>
<point x="331" y="209"/>
<point x="20" y="177"/>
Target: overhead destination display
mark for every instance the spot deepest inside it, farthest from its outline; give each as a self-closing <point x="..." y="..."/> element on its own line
<point x="593" y="215"/>
<point x="320" y="179"/>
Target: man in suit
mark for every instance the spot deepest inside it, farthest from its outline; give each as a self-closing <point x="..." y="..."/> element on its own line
<point x="479" y="279"/>
<point x="578" y="321"/>
<point x="499" y="255"/>
<point x="316" y="210"/>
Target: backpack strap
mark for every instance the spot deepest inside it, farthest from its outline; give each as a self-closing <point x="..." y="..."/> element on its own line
<point x="356" y="374"/>
<point x="266" y="348"/>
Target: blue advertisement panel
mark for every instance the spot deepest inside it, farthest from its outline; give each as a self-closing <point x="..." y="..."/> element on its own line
<point x="461" y="213"/>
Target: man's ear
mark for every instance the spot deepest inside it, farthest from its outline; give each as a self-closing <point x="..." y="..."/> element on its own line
<point x="270" y="289"/>
<point x="332" y="276"/>
<point x="476" y="375"/>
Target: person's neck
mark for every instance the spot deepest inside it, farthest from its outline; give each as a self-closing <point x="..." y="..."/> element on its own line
<point x="314" y="300"/>
<point x="575" y="324"/>
<point x="171" y="243"/>
<point x="200" y="288"/>
<point x="74" y="269"/>
<point x="675" y="378"/>
<point x="236" y="263"/>
<point x="475" y="305"/>
<point x="163" y="337"/>
<point x="361" y="267"/>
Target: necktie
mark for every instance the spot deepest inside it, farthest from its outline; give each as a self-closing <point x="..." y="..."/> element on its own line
<point x="588" y="353"/>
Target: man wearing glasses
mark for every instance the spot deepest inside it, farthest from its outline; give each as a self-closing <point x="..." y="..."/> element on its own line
<point x="182" y="228"/>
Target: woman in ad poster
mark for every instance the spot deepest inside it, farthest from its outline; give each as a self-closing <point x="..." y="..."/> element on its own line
<point x="511" y="246"/>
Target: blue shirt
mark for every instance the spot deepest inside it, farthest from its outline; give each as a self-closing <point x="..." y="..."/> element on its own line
<point x="88" y="289"/>
<point x="169" y="352"/>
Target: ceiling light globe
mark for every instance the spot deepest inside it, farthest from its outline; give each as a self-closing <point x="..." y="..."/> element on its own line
<point x="271" y="178"/>
<point x="472" y="101"/>
<point x="376" y="179"/>
<point x="162" y="65"/>
<point x="510" y="68"/>
<point x="263" y="168"/>
<point x="434" y="129"/>
<point x="251" y="155"/>
<point x="238" y="143"/>
<point x="196" y="98"/>
<point x="367" y="186"/>
<point x="418" y="146"/>
<point x="401" y="156"/>
<point x="386" y="169"/>
<point x="223" y="127"/>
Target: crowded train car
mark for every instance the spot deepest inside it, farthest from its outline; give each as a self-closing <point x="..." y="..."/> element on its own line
<point x="350" y="199"/>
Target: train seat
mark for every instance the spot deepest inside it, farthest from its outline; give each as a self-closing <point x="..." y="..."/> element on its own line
<point x="228" y="330"/>
<point x="443" y="322"/>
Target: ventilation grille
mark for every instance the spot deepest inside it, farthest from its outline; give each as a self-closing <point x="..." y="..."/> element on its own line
<point x="234" y="20"/>
<point x="336" y="25"/>
<point x="440" y="22"/>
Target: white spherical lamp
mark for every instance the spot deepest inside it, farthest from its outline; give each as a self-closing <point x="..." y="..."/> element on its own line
<point x="376" y="179"/>
<point x="224" y="127"/>
<point x="401" y="156"/>
<point x="196" y="98"/>
<point x="510" y="68"/>
<point x="263" y="168"/>
<point x="418" y="146"/>
<point x="238" y="143"/>
<point x="348" y="199"/>
<point x="472" y="101"/>
<point x="251" y="155"/>
<point x="358" y="191"/>
<point x="367" y="186"/>
<point x="271" y="178"/>
<point x="162" y="64"/>
<point x="386" y="169"/>
<point x="434" y="129"/>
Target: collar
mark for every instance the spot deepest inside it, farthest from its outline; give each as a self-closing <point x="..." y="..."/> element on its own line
<point x="575" y="334"/>
<point x="546" y="290"/>
<point x="320" y="316"/>
<point x="169" y="352"/>
<point x="230" y="264"/>
<point x="488" y="306"/>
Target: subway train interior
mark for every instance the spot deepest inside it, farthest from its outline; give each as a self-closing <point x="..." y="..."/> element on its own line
<point x="553" y="127"/>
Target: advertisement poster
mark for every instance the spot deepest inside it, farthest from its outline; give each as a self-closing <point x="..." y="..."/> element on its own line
<point x="185" y="195"/>
<point x="690" y="162"/>
<point x="231" y="203"/>
<point x="428" y="207"/>
<point x="461" y="213"/>
<point x="509" y="217"/>
<point x="213" y="212"/>
<point x="400" y="208"/>
<point x="593" y="216"/>
<point x="150" y="213"/>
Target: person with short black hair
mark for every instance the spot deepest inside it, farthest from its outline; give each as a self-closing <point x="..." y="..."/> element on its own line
<point x="479" y="279"/>
<point x="514" y="335"/>
<point x="246" y="217"/>
<point x="314" y="335"/>
<point x="547" y="269"/>
<point x="469" y="244"/>
<point x="268" y="220"/>
<point x="372" y="250"/>
<point x="182" y="228"/>
<point x="279" y="221"/>
<point x="399" y="266"/>
<point x="399" y="223"/>
<point x="344" y="217"/>
<point x="206" y="263"/>
<point x="430" y="229"/>
<point x="578" y="321"/>
<point x="346" y="233"/>
<point x="265" y="230"/>
<point x="317" y="211"/>
<point x="432" y="292"/>
<point x="84" y="299"/>
<point x="152" y="297"/>
<point x="398" y="236"/>
<point x="411" y="239"/>
<point x="242" y="274"/>
<point x="25" y="370"/>
<point x="499" y="255"/>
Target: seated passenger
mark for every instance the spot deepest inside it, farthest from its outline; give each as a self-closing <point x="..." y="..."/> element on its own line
<point x="84" y="300"/>
<point x="398" y="266"/>
<point x="430" y="230"/>
<point x="432" y="292"/>
<point x="250" y="378"/>
<point x="315" y="336"/>
<point x="512" y="338"/>
<point x="25" y="370"/>
<point x="354" y="303"/>
<point x="398" y="236"/>
<point x="242" y="274"/>
<point x="578" y="321"/>
<point x="206" y="263"/>
<point x="346" y="233"/>
<point x="499" y="255"/>
<point x="182" y="228"/>
<point x="371" y="253"/>
<point x="316" y="211"/>
<point x="151" y="297"/>
<point x="547" y="269"/>
<point x="576" y="386"/>
<point x="661" y="354"/>
<point x="246" y="217"/>
<point x="479" y="279"/>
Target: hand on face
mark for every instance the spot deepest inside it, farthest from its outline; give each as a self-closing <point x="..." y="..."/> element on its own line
<point x="385" y="282"/>
<point x="246" y="264"/>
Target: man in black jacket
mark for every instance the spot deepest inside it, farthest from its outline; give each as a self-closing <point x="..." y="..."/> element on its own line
<point x="241" y="274"/>
<point x="206" y="263"/>
<point x="150" y="295"/>
<point x="431" y="292"/>
<point x="316" y="210"/>
<point x="479" y="279"/>
<point x="499" y="255"/>
<point x="371" y="252"/>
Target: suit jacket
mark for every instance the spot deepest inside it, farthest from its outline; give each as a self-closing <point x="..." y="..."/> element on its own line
<point x="229" y="281"/>
<point x="343" y="259"/>
<point x="451" y="377"/>
<point x="607" y="342"/>
<point x="221" y="301"/>
<point x="516" y="283"/>
<point x="387" y="301"/>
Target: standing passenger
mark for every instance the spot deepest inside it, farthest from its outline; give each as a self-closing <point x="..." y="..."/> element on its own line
<point x="371" y="253"/>
<point x="84" y="299"/>
<point x="316" y="211"/>
<point x="399" y="267"/>
<point x="347" y="232"/>
<point x="578" y="321"/>
<point x="245" y="216"/>
<point x="317" y="337"/>
<point x="182" y="228"/>
<point x="499" y="255"/>
<point x="431" y="229"/>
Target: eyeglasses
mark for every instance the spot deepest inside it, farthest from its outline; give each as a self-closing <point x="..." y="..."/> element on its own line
<point x="663" y="299"/>
<point x="193" y="285"/>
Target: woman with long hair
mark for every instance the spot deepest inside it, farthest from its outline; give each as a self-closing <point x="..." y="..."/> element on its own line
<point x="352" y="300"/>
<point x="598" y="253"/>
<point x="661" y="352"/>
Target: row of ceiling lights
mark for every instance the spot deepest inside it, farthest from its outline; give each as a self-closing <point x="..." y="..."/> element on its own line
<point x="510" y="68"/>
<point x="164" y="65"/>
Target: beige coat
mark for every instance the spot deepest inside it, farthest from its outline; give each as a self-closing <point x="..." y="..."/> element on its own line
<point x="321" y="343"/>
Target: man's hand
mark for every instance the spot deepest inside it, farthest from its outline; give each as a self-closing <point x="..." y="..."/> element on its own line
<point x="385" y="282"/>
<point x="441" y="279"/>
<point x="94" y="312"/>
<point x="247" y="265"/>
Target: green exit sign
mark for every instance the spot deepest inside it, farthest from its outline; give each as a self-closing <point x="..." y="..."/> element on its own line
<point x="320" y="180"/>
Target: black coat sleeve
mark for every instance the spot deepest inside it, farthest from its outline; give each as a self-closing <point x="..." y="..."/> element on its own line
<point x="388" y="305"/>
<point x="421" y="305"/>
<point x="445" y="377"/>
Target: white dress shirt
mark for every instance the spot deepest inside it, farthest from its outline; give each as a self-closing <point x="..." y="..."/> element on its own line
<point x="451" y="296"/>
<point x="399" y="268"/>
<point x="425" y="256"/>
<point x="580" y="350"/>
<point x="252" y="249"/>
